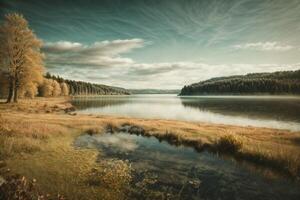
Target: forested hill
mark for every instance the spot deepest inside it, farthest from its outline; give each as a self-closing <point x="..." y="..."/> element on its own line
<point x="86" y="88"/>
<point x="284" y="82"/>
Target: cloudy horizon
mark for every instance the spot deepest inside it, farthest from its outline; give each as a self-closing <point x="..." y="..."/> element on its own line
<point x="163" y="44"/>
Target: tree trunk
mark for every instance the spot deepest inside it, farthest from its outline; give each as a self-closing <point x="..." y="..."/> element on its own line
<point x="10" y="91"/>
<point x="16" y="90"/>
<point x="16" y="94"/>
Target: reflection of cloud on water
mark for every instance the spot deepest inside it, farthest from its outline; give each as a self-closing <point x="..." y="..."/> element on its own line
<point x="120" y="142"/>
<point x="117" y="141"/>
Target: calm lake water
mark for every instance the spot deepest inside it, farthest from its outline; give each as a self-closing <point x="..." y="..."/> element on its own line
<point x="263" y="111"/>
<point x="182" y="173"/>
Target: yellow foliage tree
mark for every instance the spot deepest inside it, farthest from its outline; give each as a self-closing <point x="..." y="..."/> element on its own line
<point x="64" y="89"/>
<point x="50" y="88"/>
<point x="20" y="55"/>
<point x="56" y="88"/>
<point x="46" y="88"/>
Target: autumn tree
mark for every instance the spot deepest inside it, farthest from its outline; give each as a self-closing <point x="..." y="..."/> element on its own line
<point x="46" y="89"/>
<point x="31" y="90"/>
<point x="64" y="89"/>
<point x="56" y="88"/>
<point x="20" y="55"/>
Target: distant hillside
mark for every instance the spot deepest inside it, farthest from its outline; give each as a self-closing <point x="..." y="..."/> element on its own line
<point x="153" y="91"/>
<point x="284" y="82"/>
<point x="86" y="88"/>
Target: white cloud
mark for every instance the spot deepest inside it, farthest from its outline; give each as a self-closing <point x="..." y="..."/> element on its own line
<point x="62" y="46"/>
<point x="167" y="75"/>
<point x="264" y="46"/>
<point x="104" y="53"/>
<point x="94" y="63"/>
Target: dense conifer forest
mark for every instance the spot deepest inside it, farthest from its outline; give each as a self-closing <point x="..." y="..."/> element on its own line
<point x="285" y="82"/>
<point x="86" y="88"/>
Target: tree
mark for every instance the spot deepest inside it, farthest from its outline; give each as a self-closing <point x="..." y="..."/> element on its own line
<point x="31" y="90"/>
<point x="20" y="55"/>
<point x="64" y="89"/>
<point x="46" y="89"/>
<point x="56" y="88"/>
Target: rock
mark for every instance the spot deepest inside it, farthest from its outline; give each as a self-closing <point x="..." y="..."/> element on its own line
<point x="195" y="183"/>
<point x="70" y="109"/>
<point x="2" y="181"/>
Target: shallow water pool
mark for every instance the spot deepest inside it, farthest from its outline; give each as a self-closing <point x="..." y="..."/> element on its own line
<point x="182" y="173"/>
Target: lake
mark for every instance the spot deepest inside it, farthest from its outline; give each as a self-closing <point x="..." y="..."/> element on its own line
<point x="281" y="112"/>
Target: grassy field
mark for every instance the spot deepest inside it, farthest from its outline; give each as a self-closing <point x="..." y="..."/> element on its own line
<point x="36" y="138"/>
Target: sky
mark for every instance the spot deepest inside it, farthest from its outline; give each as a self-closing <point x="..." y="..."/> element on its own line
<point x="162" y="44"/>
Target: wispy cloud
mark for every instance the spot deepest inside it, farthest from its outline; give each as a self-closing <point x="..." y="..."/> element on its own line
<point x="98" y="54"/>
<point x="265" y="46"/>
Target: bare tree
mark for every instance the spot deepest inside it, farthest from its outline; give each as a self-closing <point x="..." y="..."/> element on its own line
<point x="20" y="54"/>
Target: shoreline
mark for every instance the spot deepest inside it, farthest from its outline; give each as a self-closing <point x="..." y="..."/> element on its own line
<point x="34" y="130"/>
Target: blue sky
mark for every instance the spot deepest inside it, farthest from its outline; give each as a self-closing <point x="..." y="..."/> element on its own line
<point x="163" y="43"/>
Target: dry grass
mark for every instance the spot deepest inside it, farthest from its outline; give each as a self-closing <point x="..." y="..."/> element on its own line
<point x="18" y="187"/>
<point x="280" y="155"/>
<point x="114" y="174"/>
<point x="38" y="144"/>
<point x="228" y="144"/>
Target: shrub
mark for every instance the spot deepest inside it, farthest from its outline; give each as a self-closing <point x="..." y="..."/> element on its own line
<point x="228" y="144"/>
<point x="114" y="174"/>
<point x="93" y="131"/>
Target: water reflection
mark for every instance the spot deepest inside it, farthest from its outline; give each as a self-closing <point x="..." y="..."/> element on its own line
<point x="284" y="109"/>
<point x="274" y="112"/>
<point x="85" y="103"/>
<point x="182" y="173"/>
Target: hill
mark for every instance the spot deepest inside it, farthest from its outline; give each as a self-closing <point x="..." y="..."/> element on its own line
<point x="283" y="82"/>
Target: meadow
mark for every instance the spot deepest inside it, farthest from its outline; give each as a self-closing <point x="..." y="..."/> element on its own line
<point x="37" y="136"/>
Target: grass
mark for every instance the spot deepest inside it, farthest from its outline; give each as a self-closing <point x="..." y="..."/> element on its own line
<point x="277" y="155"/>
<point x="93" y="131"/>
<point x="228" y="144"/>
<point x="36" y="138"/>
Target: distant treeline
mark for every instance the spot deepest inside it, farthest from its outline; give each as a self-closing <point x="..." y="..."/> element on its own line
<point x="285" y="82"/>
<point x="85" y="88"/>
<point x="153" y="91"/>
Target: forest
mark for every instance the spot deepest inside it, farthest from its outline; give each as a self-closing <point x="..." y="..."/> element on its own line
<point x="86" y="88"/>
<point x="22" y="71"/>
<point x="284" y="82"/>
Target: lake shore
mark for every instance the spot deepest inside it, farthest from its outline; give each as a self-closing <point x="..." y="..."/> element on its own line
<point x="37" y="141"/>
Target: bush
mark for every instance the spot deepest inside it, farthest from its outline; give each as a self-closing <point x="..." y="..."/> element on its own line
<point x="228" y="144"/>
<point x="93" y="131"/>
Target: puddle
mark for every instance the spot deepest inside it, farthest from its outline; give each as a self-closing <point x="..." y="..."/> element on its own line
<point x="180" y="172"/>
